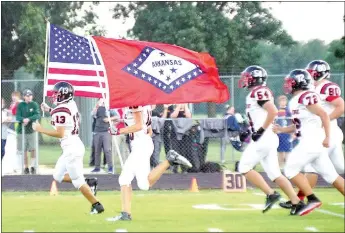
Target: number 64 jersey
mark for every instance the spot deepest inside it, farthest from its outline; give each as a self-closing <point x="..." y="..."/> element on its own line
<point x="67" y="115"/>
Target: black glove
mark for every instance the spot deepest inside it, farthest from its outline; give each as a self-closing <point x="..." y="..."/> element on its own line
<point x="244" y="135"/>
<point x="257" y="135"/>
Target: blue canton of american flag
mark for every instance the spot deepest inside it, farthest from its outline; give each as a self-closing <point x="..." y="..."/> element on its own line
<point x="163" y="70"/>
<point x="71" y="60"/>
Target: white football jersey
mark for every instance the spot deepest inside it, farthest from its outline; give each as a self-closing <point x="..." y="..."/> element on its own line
<point x="146" y="113"/>
<point x="307" y="123"/>
<point x="257" y="113"/>
<point x="328" y="91"/>
<point x="67" y="115"/>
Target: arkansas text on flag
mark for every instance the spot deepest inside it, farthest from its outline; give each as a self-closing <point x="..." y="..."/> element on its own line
<point x="70" y="59"/>
<point x="141" y="73"/>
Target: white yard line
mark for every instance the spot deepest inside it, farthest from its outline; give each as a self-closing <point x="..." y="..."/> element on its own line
<point x="313" y="229"/>
<point x="214" y="230"/>
<point x="121" y="230"/>
<point x="330" y="213"/>
<point x="28" y="231"/>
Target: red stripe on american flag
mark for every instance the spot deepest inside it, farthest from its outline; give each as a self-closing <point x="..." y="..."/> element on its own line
<point x="82" y="94"/>
<point x="74" y="72"/>
<point x="77" y="83"/>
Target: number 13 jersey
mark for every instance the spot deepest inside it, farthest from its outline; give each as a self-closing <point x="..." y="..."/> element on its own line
<point x="67" y="115"/>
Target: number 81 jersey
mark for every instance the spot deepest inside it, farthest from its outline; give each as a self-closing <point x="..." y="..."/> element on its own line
<point x="67" y="115"/>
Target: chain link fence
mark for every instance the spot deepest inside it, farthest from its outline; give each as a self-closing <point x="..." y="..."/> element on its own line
<point x="213" y="149"/>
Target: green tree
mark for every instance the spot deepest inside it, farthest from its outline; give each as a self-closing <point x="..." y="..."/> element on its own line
<point x="282" y="59"/>
<point x="23" y="28"/>
<point x="229" y="31"/>
<point x="335" y="55"/>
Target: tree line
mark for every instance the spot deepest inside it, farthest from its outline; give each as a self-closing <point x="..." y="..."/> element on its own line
<point x="237" y="34"/>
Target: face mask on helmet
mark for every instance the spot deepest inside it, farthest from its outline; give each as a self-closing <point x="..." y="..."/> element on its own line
<point x="54" y="98"/>
<point x="318" y="70"/>
<point x="288" y="85"/>
<point x="245" y="80"/>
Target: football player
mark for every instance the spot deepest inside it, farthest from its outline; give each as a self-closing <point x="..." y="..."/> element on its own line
<point x="138" y="126"/>
<point x="65" y="121"/>
<point x="261" y="112"/>
<point x="333" y="104"/>
<point x="312" y="125"/>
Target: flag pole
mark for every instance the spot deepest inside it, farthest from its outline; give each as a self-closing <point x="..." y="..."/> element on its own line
<point x="45" y="62"/>
<point x="105" y="97"/>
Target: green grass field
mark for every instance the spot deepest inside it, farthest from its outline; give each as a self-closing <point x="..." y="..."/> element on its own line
<point x="162" y="211"/>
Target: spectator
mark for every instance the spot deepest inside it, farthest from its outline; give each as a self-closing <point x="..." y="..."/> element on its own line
<point x="92" y="157"/>
<point x="283" y="120"/>
<point x="122" y="140"/>
<point x="16" y="99"/>
<point x="26" y="113"/>
<point x="5" y="121"/>
<point x="169" y="136"/>
<point x="229" y="110"/>
<point x="102" y="138"/>
<point x="157" y="141"/>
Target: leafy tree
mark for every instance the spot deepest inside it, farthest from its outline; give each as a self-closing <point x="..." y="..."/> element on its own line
<point x="228" y="31"/>
<point x="281" y="59"/>
<point x="335" y="55"/>
<point x="23" y="28"/>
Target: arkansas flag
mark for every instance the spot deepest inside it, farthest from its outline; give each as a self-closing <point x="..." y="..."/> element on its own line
<point x="142" y="73"/>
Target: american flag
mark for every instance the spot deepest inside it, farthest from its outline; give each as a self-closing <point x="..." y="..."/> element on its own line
<point x="70" y="60"/>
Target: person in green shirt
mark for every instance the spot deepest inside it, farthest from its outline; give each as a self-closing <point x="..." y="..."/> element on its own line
<point x="27" y="112"/>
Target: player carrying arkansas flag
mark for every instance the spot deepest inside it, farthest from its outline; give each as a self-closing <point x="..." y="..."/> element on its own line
<point x="261" y="112"/>
<point x="312" y="125"/>
<point x="138" y="122"/>
<point x="65" y="120"/>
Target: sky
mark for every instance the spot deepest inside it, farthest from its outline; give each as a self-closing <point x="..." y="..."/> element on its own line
<point x="302" y="20"/>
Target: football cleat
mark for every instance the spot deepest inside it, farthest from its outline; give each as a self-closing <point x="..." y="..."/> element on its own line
<point x="92" y="183"/>
<point x="175" y="158"/>
<point x="97" y="208"/>
<point x="304" y="209"/>
<point x="270" y="201"/>
<point x="286" y="205"/>
<point x="124" y="216"/>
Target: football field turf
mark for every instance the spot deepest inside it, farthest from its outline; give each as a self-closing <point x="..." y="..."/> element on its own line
<point x="159" y="211"/>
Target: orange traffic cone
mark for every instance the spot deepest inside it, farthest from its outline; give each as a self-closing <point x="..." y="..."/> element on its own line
<point x="53" y="189"/>
<point x="194" y="186"/>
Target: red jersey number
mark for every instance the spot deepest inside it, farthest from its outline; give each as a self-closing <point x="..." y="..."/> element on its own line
<point x="312" y="99"/>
